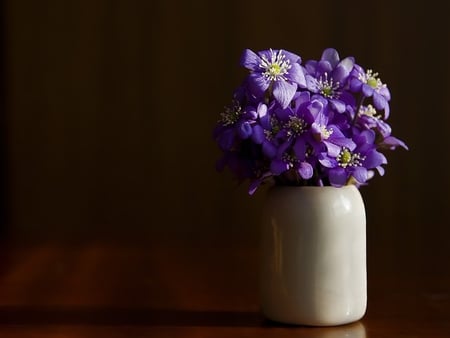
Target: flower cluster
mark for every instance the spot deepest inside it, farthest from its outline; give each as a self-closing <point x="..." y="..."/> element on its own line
<point x="318" y="123"/>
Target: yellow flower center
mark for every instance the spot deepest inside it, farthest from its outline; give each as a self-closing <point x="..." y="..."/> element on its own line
<point x="275" y="67"/>
<point x="345" y="157"/>
<point x="348" y="159"/>
<point x="372" y="82"/>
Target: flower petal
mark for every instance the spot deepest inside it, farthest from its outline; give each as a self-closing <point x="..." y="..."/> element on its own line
<point x="333" y="150"/>
<point x="331" y="55"/>
<point x="302" y="98"/>
<point x="244" y="130"/>
<point x="300" y="148"/>
<point x="367" y="90"/>
<point x="380" y="170"/>
<point x="360" y="174"/>
<point x="379" y="101"/>
<point x="262" y="110"/>
<point x="338" y="177"/>
<point x="269" y="149"/>
<point x="343" y="69"/>
<point x="311" y="83"/>
<point x="385" y="92"/>
<point x="283" y="114"/>
<point x="278" y="167"/>
<point x="253" y="186"/>
<point x="297" y="75"/>
<point x="328" y="162"/>
<point x="293" y="58"/>
<point x="305" y="170"/>
<point x="355" y="85"/>
<point x="283" y="92"/>
<point x="374" y="159"/>
<point x="337" y="105"/>
<point x="258" y="134"/>
<point x="258" y="84"/>
<point x="392" y="142"/>
<point x="343" y="142"/>
<point x="226" y="139"/>
<point x="324" y="67"/>
<point x="250" y="59"/>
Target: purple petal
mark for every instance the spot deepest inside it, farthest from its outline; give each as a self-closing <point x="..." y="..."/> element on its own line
<point x="300" y="148"/>
<point x="360" y="174"/>
<point x="355" y="85"/>
<point x="262" y="110"/>
<point x="297" y="75"/>
<point x="250" y="114"/>
<point x="283" y="147"/>
<point x="258" y="84"/>
<point x="283" y="114"/>
<point x="283" y="92"/>
<point x="332" y="149"/>
<point x="315" y="108"/>
<point x="386" y="112"/>
<point x="311" y="66"/>
<point x="383" y="128"/>
<point x="338" y="177"/>
<point x="269" y="149"/>
<point x="244" y="130"/>
<point x="347" y="98"/>
<point x="305" y="170"/>
<point x="258" y="134"/>
<point x="374" y="159"/>
<point x="379" y="101"/>
<point x="343" y="142"/>
<point x="311" y="83"/>
<point x="265" y="122"/>
<point x="328" y="162"/>
<point x="380" y="170"/>
<point x="385" y="92"/>
<point x="392" y="142"/>
<point x="250" y="59"/>
<point x="338" y="105"/>
<point x="367" y="90"/>
<point x="278" y="167"/>
<point x="293" y="58"/>
<point x="324" y="67"/>
<point x="336" y="131"/>
<point x="331" y="55"/>
<point x="226" y="139"/>
<point x="343" y="69"/>
<point x="366" y="137"/>
<point x="253" y="186"/>
<point x="302" y="98"/>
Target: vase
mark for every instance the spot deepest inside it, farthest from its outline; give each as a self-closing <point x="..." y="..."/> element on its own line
<point x="313" y="255"/>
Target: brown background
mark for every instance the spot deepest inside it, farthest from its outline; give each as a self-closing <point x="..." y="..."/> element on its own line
<point x="108" y="109"/>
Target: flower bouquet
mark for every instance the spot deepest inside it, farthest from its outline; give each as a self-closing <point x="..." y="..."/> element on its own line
<point x="321" y="123"/>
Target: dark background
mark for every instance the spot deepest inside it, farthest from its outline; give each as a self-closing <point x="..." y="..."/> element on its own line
<point x="108" y="108"/>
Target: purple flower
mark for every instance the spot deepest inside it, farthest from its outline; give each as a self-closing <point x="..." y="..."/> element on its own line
<point x="276" y="71"/>
<point x="369" y="118"/>
<point x="370" y="85"/>
<point x="328" y="77"/>
<point x="355" y="164"/>
<point x="324" y="124"/>
<point x="324" y="134"/>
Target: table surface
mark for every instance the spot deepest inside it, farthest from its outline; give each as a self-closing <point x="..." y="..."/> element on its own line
<point x="186" y="288"/>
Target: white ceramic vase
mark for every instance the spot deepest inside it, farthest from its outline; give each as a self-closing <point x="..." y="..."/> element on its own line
<point x="313" y="255"/>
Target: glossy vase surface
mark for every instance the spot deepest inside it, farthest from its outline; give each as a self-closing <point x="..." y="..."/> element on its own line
<point x="313" y="255"/>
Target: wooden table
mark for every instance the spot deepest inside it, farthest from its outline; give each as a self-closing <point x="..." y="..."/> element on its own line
<point x="191" y="288"/>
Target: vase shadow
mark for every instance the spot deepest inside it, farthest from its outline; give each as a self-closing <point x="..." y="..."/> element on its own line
<point x="150" y="317"/>
<point x="56" y="315"/>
